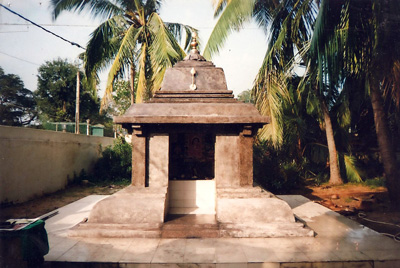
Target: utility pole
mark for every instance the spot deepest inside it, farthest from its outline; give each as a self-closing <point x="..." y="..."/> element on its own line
<point x="77" y="103"/>
<point x="88" y="127"/>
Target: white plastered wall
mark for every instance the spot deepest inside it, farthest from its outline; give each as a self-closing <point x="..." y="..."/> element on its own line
<point x="36" y="162"/>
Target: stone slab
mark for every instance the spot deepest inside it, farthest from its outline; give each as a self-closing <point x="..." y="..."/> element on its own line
<point x="337" y="249"/>
<point x="131" y="212"/>
<point x="131" y="205"/>
<point x="252" y="212"/>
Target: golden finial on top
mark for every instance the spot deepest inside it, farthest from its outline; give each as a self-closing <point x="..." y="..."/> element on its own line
<point x="194" y="53"/>
<point x="194" y="42"/>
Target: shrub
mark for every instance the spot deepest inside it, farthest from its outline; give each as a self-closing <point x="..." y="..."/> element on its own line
<point x="274" y="171"/>
<point x="376" y="182"/>
<point x="115" y="163"/>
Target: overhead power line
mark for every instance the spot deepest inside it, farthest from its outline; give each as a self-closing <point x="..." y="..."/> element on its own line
<point x="44" y="29"/>
<point x="50" y="25"/>
<point x="11" y="56"/>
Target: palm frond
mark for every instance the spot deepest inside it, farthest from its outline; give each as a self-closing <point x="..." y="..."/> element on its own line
<point x="179" y="30"/>
<point x="353" y="173"/>
<point x="142" y="82"/>
<point x="343" y="113"/>
<point x="234" y="15"/>
<point x="98" y="8"/>
<point x="262" y="14"/>
<point x="219" y="6"/>
<point x="164" y="50"/>
<point x="318" y="153"/>
<point x="391" y="85"/>
<point x="104" y="43"/>
<point x="269" y="97"/>
<point x="138" y="5"/>
<point x="152" y="6"/>
<point x="291" y="29"/>
<point x="121" y="61"/>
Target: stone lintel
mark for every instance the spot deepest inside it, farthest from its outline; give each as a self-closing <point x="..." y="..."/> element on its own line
<point x="195" y="113"/>
<point x="192" y="100"/>
<point x="192" y="120"/>
<point x="172" y="97"/>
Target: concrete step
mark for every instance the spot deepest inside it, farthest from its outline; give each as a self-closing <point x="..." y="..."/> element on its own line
<point x="188" y="232"/>
<point x="190" y="226"/>
<point x="115" y="233"/>
<point x="116" y="230"/>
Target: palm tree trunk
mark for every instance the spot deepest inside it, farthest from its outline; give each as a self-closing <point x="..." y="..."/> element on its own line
<point x="335" y="177"/>
<point x="386" y="149"/>
<point x="133" y="74"/>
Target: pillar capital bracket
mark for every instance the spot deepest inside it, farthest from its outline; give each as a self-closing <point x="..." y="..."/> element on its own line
<point x="247" y="131"/>
<point x="137" y="130"/>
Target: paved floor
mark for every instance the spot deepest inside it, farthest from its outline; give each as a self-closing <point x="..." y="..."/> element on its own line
<point x="339" y="242"/>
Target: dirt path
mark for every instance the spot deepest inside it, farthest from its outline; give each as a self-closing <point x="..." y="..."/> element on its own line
<point x="368" y="206"/>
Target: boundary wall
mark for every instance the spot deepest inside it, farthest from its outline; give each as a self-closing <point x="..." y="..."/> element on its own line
<point x="36" y="162"/>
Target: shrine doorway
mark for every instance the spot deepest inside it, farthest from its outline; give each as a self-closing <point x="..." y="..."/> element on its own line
<point x="191" y="186"/>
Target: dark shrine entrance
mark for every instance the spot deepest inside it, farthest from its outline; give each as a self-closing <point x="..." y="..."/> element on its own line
<point x="191" y="186"/>
<point x="192" y="156"/>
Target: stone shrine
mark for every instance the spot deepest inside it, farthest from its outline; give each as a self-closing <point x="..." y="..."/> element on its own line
<point x="192" y="154"/>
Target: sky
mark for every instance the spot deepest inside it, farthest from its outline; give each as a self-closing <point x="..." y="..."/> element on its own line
<point x="24" y="47"/>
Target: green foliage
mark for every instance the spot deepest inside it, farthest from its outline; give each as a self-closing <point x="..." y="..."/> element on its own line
<point x="346" y="48"/>
<point x="376" y="182"/>
<point x="56" y="93"/>
<point x="56" y="96"/>
<point x="115" y="163"/>
<point x="274" y="171"/>
<point x="132" y="37"/>
<point x="353" y="173"/>
<point x="246" y="96"/>
<point x="17" y="105"/>
<point x="234" y="15"/>
<point x="121" y="97"/>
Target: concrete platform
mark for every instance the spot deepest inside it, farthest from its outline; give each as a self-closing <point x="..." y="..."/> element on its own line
<point x="339" y="242"/>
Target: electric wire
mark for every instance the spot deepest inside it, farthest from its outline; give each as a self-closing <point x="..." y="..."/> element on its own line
<point x="44" y="29"/>
<point x="14" y="31"/>
<point x="50" y="25"/>
<point x="11" y="56"/>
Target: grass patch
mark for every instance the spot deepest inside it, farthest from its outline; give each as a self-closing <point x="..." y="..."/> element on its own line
<point x="375" y="182"/>
<point x="348" y="200"/>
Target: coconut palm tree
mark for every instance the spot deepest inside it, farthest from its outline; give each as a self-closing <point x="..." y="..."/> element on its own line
<point x="290" y="26"/>
<point x="132" y="38"/>
<point x="359" y="40"/>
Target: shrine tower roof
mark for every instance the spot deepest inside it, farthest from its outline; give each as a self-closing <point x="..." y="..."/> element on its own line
<point x="193" y="91"/>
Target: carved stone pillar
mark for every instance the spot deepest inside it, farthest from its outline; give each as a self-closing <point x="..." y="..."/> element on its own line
<point x="227" y="161"/>
<point x="158" y="160"/>
<point x="246" y="156"/>
<point x="138" y="156"/>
